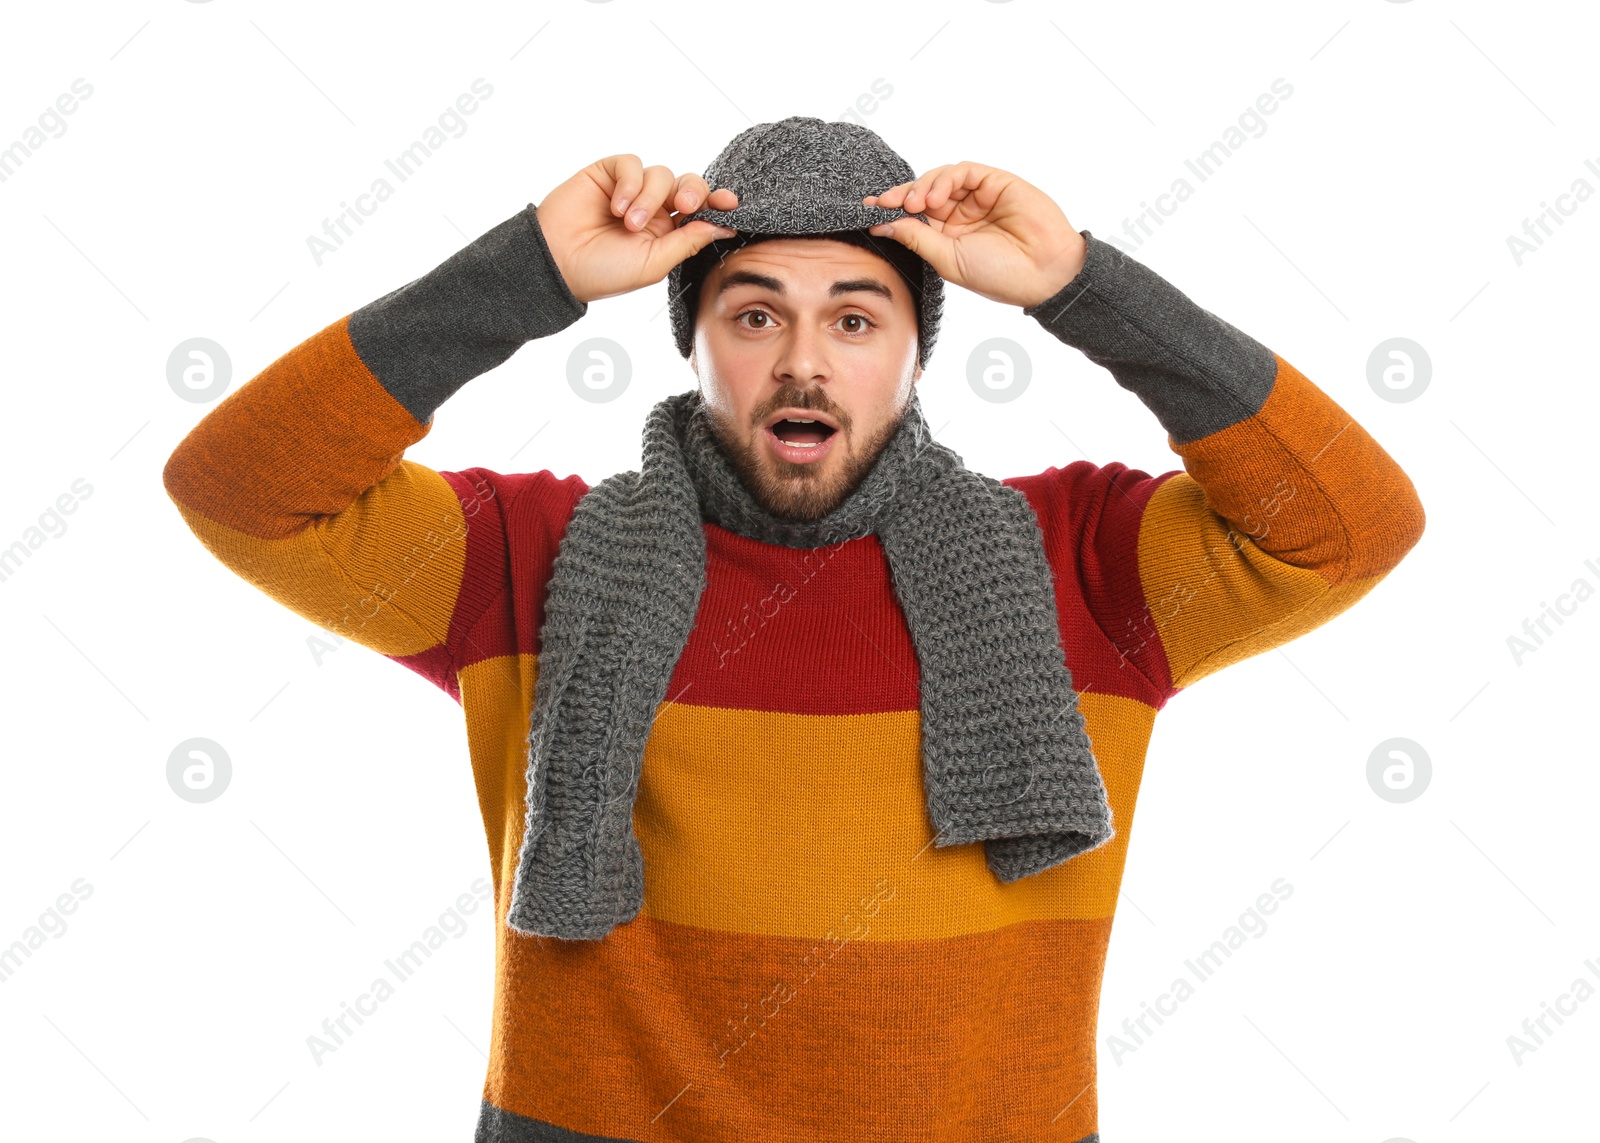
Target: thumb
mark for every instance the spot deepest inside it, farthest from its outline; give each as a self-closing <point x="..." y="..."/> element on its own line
<point x="922" y="240"/>
<point x="682" y="242"/>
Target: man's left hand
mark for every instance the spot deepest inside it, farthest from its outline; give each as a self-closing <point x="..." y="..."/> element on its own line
<point x="988" y="230"/>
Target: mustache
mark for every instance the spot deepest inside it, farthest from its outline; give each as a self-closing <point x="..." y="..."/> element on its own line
<point x="791" y="397"/>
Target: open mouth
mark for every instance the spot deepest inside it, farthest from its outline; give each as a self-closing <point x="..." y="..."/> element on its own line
<point x="801" y="433"/>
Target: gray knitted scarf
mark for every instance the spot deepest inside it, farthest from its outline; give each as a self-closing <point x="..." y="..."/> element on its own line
<point x="1005" y="757"/>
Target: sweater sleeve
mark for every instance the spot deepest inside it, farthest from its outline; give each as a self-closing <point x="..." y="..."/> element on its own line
<point x="297" y="481"/>
<point x="1286" y="511"/>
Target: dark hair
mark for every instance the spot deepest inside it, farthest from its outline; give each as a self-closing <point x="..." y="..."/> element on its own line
<point x="909" y="264"/>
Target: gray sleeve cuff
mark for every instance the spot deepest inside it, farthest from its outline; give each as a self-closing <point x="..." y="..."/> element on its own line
<point x="467" y="315"/>
<point x="1194" y="371"/>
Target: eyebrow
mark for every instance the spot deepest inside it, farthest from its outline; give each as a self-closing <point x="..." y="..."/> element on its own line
<point x="766" y="282"/>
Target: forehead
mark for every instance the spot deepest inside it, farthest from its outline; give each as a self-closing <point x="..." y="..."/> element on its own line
<point x="803" y="260"/>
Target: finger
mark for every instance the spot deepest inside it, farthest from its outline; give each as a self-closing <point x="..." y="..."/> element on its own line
<point x="952" y="183"/>
<point x="693" y="193"/>
<point x="895" y="196"/>
<point x="719" y="199"/>
<point x="921" y="238"/>
<point x="627" y="175"/>
<point x="917" y="193"/>
<point x="689" y="193"/>
<point x="679" y="243"/>
<point x="882" y="197"/>
<point x="916" y="196"/>
<point x="900" y="194"/>
<point x="939" y="191"/>
<point x="658" y="183"/>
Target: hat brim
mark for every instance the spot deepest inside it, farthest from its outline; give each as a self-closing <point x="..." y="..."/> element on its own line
<point x="808" y="215"/>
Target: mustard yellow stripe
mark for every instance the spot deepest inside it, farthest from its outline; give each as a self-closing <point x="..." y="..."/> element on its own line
<point x="496" y="698"/>
<point x="1213" y="596"/>
<point x="794" y="825"/>
<point x="384" y="572"/>
<point x="798" y="825"/>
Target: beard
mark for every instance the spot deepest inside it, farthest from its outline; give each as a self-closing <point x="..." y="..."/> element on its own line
<point x="799" y="492"/>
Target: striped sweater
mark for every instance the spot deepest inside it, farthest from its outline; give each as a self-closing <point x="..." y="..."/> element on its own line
<point x="807" y="965"/>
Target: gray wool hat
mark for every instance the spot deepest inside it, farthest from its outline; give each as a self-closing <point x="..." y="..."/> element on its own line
<point x="803" y="176"/>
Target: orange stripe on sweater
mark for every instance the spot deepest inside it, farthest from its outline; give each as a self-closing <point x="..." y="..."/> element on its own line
<point x="1270" y="536"/>
<point x="668" y="1032"/>
<point x="324" y="403"/>
<point x="1339" y="512"/>
<point x="296" y="482"/>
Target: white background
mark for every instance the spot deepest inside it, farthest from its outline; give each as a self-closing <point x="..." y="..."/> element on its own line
<point x="1376" y="203"/>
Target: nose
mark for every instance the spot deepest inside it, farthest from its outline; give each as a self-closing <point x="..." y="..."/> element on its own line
<point x="803" y="355"/>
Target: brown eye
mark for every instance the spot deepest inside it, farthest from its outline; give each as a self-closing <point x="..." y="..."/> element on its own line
<point x="752" y="313"/>
<point x="867" y="323"/>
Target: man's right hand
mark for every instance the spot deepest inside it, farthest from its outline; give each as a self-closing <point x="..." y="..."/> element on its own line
<point x="589" y="224"/>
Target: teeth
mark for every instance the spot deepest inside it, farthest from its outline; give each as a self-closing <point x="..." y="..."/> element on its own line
<point x="801" y="444"/>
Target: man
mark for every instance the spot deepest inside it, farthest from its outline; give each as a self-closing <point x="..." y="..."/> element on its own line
<point x="807" y="757"/>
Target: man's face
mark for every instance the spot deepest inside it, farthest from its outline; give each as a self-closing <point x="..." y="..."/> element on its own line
<point x="812" y="328"/>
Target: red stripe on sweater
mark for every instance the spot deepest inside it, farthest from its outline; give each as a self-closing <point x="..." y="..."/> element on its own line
<point x="1091" y="515"/>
